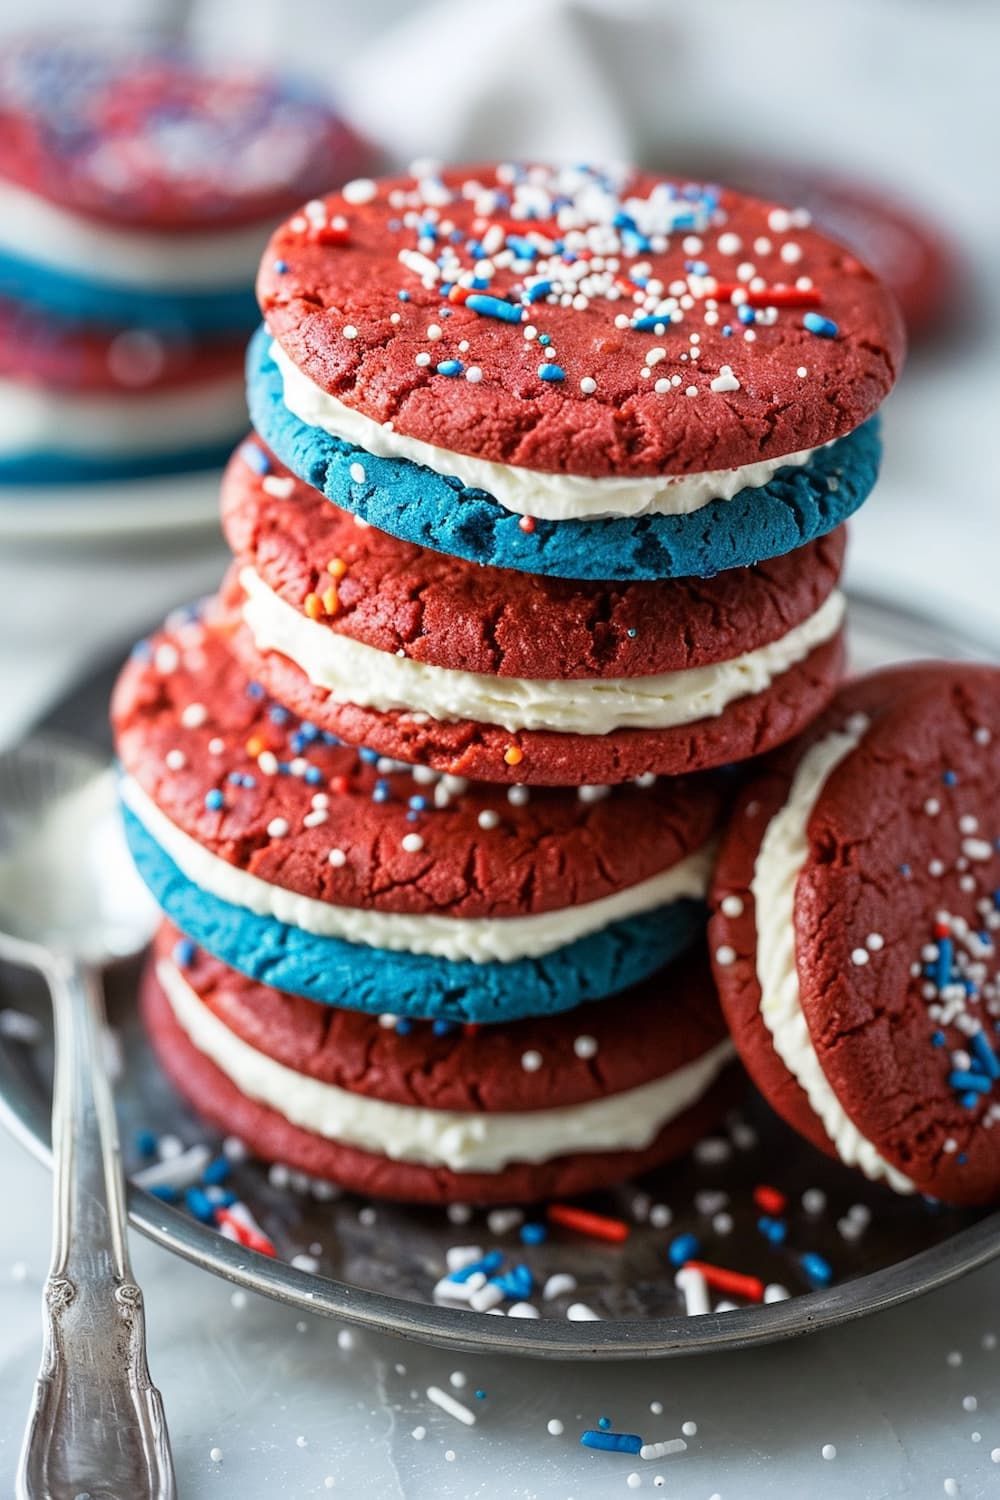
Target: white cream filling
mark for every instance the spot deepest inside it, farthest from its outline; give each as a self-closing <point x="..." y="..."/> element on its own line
<point x="34" y="419"/>
<point x="526" y="492"/>
<point x="35" y="229"/>
<point x="352" y="672"/>
<point x="781" y="860"/>
<point x="476" y="939"/>
<point x="462" y="1142"/>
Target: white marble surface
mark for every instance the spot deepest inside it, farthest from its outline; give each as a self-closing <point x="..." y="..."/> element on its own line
<point x="900" y="89"/>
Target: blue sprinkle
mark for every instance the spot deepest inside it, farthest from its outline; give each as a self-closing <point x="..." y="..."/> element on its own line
<point x="949" y="778"/>
<point x="984" y="1054"/>
<point x="906" y="871"/>
<point x="775" y="1231"/>
<point x="450" y="367"/>
<point x="145" y="1142"/>
<point x="255" y="458"/>
<point x="611" y="1442"/>
<point x="200" y="1205"/>
<point x="277" y="714"/>
<point x="745" y="313"/>
<point x="412" y="817"/>
<point x="142" y="651"/>
<point x="380" y="794"/>
<point x="220" y="1197"/>
<point x="281" y="266"/>
<point x="968" y="1082"/>
<point x="648" y="322"/>
<point x="492" y="1261"/>
<point x="367" y="755"/>
<point x="403" y="296"/>
<point x="165" y="1193"/>
<point x="970" y="1100"/>
<point x="403" y="1026"/>
<point x="309" y="730"/>
<point x="235" y="778"/>
<point x="480" y="1395"/>
<point x="418" y="803"/>
<point x="184" y="952"/>
<point x="521" y="247"/>
<point x="313" y="775"/>
<point x="443" y="1028"/>
<point x="493" y="307"/>
<point x="534" y="1234"/>
<point x="684" y="1247"/>
<point x="942" y="967"/>
<point x="696" y="267"/>
<point x="817" y="1270"/>
<point x="604" y="1423"/>
<point x="727" y="331"/>
<point x="631" y="634"/>
<point x="217" y="1171"/>
<point x="961" y="1158"/>
<point x="214" y="800"/>
<point x="537" y="291"/>
<point x="255" y="691"/>
<point x="551" y="372"/>
<point x="938" y="1039"/>
<point x="545" y="339"/>
<point x="824" y="328"/>
<point x="517" y="1283"/>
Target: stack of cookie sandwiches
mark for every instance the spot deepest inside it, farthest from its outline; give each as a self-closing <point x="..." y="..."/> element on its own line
<point x="136" y="191"/>
<point x="539" y="533"/>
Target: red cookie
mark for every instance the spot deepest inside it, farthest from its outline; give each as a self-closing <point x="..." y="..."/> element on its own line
<point x="396" y="293"/>
<point x="321" y="581"/>
<point x="853" y="930"/>
<point x="264" y="793"/>
<point x="435" y="1080"/>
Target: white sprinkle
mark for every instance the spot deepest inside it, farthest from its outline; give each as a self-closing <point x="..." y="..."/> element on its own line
<point x="216" y="746"/>
<point x="559" y="1284"/>
<point x="731" y="906"/>
<point x="979" y="850"/>
<point x="488" y="818"/>
<point x="932" y="807"/>
<point x="951" y="1486"/>
<point x="502" y="1220"/>
<point x="277" y="828"/>
<point x="434" y="332"/>
<point x="418" y="1434"/>
<point x="828" y="1451"/>
<point x="725" y="380"/>
<point x="531" y="1061"/>
<point x="357" y="473"/>
<point x="656" y="1407"/>
<point x="458" y="1379"/>
<point x="194" y="715"/>
<point x="779" y="221"/>
<point x="345" y="1339"/>
<point x="660" y="1216"/>
<point x="859" y="957"/>
<point x="267" y="763"/>
<point x="775" y="1292"/>
<point x="802" y="372"/>
<point x="359" y="190"/>
<point x="301" y="1442"/>
<point x="523" y="1310"/>
<point x="969" y="1403"/>
<point x="592" y="793"/>
<point x="238" y="1300"/>
<point x="337" y="858"/>
<point x="982" y="735"/>
<point x="585" y="1046"/>
<point x="350" y="332"/>
<point x="724" y="955"/>
<point x="875" y="942"/>
<point x="664" y="1449"/>
<point x="579" y="1312"/>
<point x="729" y="244"/>
<point x="689" y="1429"/>
<point x="791" y="253"/>
<point x="473" y="374"/>
<point x="412" y="843"/>
<point x="305" y="1263"/>
<point x="278" y="485"/>
<point x="459" y="1213"/>
<point x="694" y="1289"/>
<point x="634" y="1481"/>
<point x="517" y="796"/>
<point x="215" y="1454"/>
<point x="423" y="358"/>
<point x="176" y="760"/>
<point x="554" y="1427"/>
<point x="722" y="1223"/>
<point x="691" y="390"/>
<point x="588" y="385"/>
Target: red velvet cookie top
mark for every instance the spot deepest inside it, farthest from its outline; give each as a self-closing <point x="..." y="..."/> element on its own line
<point x="130" y="361"/>
<point x="402" y="598"/>
<point x="650" y="1031"/>
<point x="273" y="796"/>
<point x="149" y="136"/>
<point x="897" y="913"/>
<point x="580" y="321"/>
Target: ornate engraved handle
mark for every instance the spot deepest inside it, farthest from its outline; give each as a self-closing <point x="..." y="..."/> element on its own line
<point x="96" y="1426"/>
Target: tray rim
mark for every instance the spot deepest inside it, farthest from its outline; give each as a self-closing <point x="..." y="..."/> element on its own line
<point x="24" y="1113"/>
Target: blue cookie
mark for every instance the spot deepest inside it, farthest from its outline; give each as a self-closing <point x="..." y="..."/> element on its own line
<point x="415" y="503"/>
<point x="45" y="467"/>
<point x="105" y="304"/>
<point x="336" y="972"/>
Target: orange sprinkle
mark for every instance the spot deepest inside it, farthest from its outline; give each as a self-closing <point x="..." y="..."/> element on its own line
<point x="331" y="600"/>
<point x="254" y="746"/>
<point x="336" y="567"/>
<point x="513" y="755"/>
<point x="313" y="606"/>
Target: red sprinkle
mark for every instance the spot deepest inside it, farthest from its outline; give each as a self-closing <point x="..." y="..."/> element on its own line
<point x="770" y="1200"/>
<point x="768" y="296"/>
<point x="459" y="293"/>
<point x="246" y="1236"/>
<point x="598" y="1226"/>
<point x="735" y="1283"/>
<point x="942" y="929"/>
<point x="527" y="523"/>
<point x="330" y="234"/>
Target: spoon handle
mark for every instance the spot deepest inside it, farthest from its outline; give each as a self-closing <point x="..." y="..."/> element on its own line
<point x="96" y="1424"/>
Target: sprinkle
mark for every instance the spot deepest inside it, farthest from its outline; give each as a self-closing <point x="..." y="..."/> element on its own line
<point x="214" y="800"/>
<point x="280" y="486"/>
<point x="527" y="524"/>
<point x="493" y="307"/>
<point x="585" y="1047"/>
<point x="684" y="1248"/>
<point x="450" y="367"/>
<point x="725" y="955"/>
<point x="359" y="190"/>
<point x="579" y="1312"/>
<point x="694" y="1289"/>
<point x="731" y="906"/>
<point x="554" y="1427"/>
<point x="551" y="372"/>
<point x="664" y="1449"/>
<point x="350" y="332"/>
<point x="448" y="1403"/>
<point x="513" y="755"/>
<point x="277" y="828"/>
<point x="828" y="1451"/>
<point x="817" y="1271"/>
<point x="412" y="843"/>
<point x="733" y="1283"/>
<point x="725" y="381"/>
<point x="588" y="385"/>
<point x="531" y="1061"/>
<point x="473" y="374"/>
<point x="611" y="1442"/>
<point x="215" y="1454"/>
<point x="559" y="1284"/>
<point x="824" y="328"/>
<point x="488" y="818"/>
<point x="357" y="473"/>
<point x="194" y="715"/>
<point x="583" y="1221"/>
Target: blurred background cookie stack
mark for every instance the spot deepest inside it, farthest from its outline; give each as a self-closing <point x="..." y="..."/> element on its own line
<point x="539" y="530"/>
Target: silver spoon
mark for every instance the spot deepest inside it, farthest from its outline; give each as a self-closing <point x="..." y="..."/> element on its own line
<point x="70" y="902"/>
